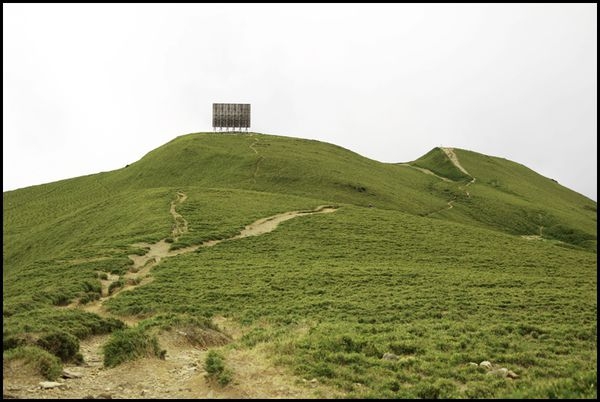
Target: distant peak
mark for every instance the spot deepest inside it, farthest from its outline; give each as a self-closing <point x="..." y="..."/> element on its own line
<point x="454" y="159"/>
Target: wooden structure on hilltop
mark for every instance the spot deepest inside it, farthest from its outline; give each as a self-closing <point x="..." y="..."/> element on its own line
<point x="231" y="115"/>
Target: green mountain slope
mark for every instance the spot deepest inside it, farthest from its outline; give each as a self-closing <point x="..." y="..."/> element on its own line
<point x="507" y="196"/>
<point x="439" y="261"/>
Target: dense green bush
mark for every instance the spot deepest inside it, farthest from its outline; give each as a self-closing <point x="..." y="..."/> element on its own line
<point x="89" y="297"/>
<point x="16" y="340"/>
<point x="47" y="364"/>
<point x="130" y="344"/>
<point x="116" y="285"/>
<point x="569" y="235"/>
<point x="215" y="368"/>
<point x="61" y="344"/>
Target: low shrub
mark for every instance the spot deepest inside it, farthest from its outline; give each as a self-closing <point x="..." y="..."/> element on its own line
<point x="47" y="364"/>
<point x="61" y="344"/>
<point x="130" y="344"/>
<point x="215" y="368"/>
<point x="89" y="297"/>
<point x="115" y="285"/>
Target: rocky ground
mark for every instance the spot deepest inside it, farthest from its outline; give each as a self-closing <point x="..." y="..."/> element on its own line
<point x="179" y="376"/>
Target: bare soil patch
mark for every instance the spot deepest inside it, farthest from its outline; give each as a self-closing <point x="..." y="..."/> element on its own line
<point x="181" y="374"/>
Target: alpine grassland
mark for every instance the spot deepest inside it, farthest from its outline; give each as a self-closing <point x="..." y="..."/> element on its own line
<point x="421" y="273"/>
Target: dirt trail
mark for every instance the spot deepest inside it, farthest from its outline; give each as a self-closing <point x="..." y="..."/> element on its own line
<point x="258" y="161"/>
<point x="269" y="224"/>
<point x="535" y="237"/>
<point x="160" y="250"/>
<point x="181" y="225"/>
<point x="139" y="272"/>
<point x="426" y="171"/>
<point x="531" y="237"/>
<point x="251" y="146"/>
<point x="452" y="156"/>
<point x="180" y="375"/>
<point x="454" y="159"/>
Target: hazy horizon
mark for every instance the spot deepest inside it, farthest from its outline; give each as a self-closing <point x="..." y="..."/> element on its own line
<point x="92" y="87"/>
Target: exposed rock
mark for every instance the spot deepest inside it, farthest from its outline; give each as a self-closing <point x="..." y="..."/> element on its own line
<point x="512" y="374"/>
<point x="50" y="384"/>
<point x="486" y="364"/>
<point x="473" y="364"/>
<point x="312" y="383"/>
<point x="390" y="356"/>
<point x="501" y="372"/>
<point x="67" y="373"/>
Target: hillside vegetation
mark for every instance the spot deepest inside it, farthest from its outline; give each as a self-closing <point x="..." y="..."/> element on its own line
<point x="434" y="265"/>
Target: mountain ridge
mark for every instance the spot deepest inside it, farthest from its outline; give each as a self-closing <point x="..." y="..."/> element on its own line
<point x="441" y="263"/>
<point x="278" y="164"/>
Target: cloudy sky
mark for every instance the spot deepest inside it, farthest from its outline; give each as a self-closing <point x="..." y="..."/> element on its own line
<point x="93" y="87"/>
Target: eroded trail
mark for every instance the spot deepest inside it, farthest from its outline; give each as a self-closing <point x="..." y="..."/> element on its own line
<point x="454" y="159"/>
<point x="258" y="161"/>
<point x="181" y="374"/>
<point x="452" y="156"/>
<point x="139" y="272"/>
<point x="426" y="171"/>
<point x="181" y="225"/>
<point x="160" y="250"/>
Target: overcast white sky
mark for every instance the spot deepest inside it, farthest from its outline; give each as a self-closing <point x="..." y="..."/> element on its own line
<point x="93" y="87"/>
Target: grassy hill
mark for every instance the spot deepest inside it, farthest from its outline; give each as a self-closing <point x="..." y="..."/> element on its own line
<point x="437" y="266"/>
<point x="507" y="196"/>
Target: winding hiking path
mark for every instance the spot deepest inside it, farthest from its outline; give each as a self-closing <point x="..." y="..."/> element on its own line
<point x="426" y="171"/>
<point x="181" y="225"/>
<point x="139" y="272"/>
<point x="160" y="249"/>
<point x="251" y="146"/>
<point x="258" y="161"/>
<point x="180" y="375"/>
<point x="454" y="159"/>
<point x="452" y="156"/>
